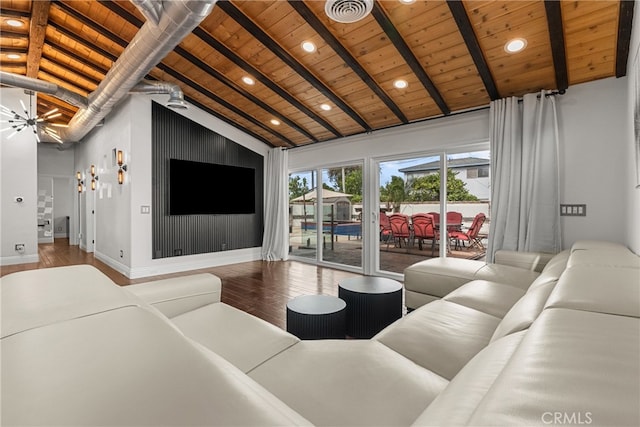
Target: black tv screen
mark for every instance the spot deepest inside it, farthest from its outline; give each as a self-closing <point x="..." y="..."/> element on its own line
<point x="209" y="188"/>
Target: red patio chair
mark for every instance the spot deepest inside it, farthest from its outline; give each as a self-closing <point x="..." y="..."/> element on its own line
<point x="385" y="227"/>
<point x="470" y="235"/>
<point x="400" y="229"/>
<point x="454" y="221"/>
<point x="424" y="228"/>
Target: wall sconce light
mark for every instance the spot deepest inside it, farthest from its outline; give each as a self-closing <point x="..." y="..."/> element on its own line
<point x="80" y="181"/>
<point x="94" y="177"/>
<point x="122" y="168"/>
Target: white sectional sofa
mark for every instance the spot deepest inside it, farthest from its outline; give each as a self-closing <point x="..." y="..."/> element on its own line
<point x="77" y="349"/>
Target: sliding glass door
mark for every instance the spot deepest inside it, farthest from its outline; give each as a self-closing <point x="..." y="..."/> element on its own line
<point x="418" y="207"/>
<point x="443" y="200"/>
<point x="325" y="216"/>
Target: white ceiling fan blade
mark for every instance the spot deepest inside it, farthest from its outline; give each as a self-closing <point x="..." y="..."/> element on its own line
<point x="24" y="108"/>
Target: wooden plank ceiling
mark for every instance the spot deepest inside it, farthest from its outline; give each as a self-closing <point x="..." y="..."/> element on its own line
<point x="450" y="53"/>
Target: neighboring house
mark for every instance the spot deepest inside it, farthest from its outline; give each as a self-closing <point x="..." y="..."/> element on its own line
<point x="473" y="171"/>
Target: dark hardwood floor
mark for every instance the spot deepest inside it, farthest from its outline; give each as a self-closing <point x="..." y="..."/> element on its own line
<point x="259" y="287"/>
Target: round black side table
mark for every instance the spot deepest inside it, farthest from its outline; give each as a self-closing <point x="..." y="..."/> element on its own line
<point x="312" y="317"/>
<point x="372" y="304"/>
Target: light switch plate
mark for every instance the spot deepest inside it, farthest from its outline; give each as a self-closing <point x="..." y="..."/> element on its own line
<point x="573" y="210"/>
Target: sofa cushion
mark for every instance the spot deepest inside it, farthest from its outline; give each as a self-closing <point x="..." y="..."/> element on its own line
<point x="441" y="336"/>
<point x="440" y="276"/>
<point x="488" y="297"/>
<point x="179" y="295"/>
<point x="349" y="383"/>
<point x="525" y="311"/>
<point x="126" y="367"/>
<point x="457" y="402"/>
<point x="598" y="289"/>
<point x="35" y="298"/>
<point x="244" y="340"/>
<point x="604" y="254"/>
<point x="513" y="276"/>
<point x="578" y="363"/>
<point x="552" y="271"/>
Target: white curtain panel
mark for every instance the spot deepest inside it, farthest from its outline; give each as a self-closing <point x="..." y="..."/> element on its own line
<point x="275" y="241"/>
<point x="525" y="201"/>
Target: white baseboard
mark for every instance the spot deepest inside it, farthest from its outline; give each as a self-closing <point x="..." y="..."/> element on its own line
<point x="19" y="259"/>
<point x="195" y="262"/>
<point x="118" y="266"/>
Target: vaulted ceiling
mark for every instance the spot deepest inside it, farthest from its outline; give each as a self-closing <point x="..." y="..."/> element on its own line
<point x="450" y="53"/>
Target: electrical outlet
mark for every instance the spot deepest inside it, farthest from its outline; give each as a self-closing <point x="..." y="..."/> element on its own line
<point x="20" y="247"/>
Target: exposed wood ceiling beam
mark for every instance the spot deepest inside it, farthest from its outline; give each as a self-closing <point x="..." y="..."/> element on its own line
<point x="79" y="58"/>
<point x="264" y="38"/>
<point x="624" y="37"/>
<point x="123" y="43"/>
<point x="225" y="119"/>
<point x="232" y="56"/>
<point x="411" y="60"/>
<point x="71" y="69"/>
<point x="178" y="76"/>
<point x="72" y="86"/>
<point x="346" y="56"/>
<point x="14" y="35"/>
<point x="37" y="32"/>
<point x="556" y="35"/>
<point x="21" y="50"/>
<point x="76" y="38"/>
<point x="255" y="73"/>
<point x="470" y="39"/>
<point x="219" y="76"/>
<point x="49" y="101"/>
<point x="213" y="73"/>
<point x="12" y="13"/>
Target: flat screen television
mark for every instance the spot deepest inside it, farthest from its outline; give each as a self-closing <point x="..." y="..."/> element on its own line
<point x="197" y="188"/>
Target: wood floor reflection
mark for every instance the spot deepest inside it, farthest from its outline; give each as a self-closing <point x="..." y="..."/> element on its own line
<point x="258" y="287"/>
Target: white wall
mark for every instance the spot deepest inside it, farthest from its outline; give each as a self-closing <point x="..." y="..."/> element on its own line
<point x="632" y="192"/>
<point x="18" y="177"/>
<point x="111" y="201"/>
<point x="593" y="123"/>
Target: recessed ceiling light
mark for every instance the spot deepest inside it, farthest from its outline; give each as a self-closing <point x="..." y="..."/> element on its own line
<point x="14" y="22"/>
<point x="325" y="107"/>
<point x="13" y="55"/>
<point x="248" y="80"/>
<point x="400" y="84"/>
<point x="515" y="45"/>
<point x="275" y="122"/>
<point x="407" y="1"/>
<point x="309" y="46"/>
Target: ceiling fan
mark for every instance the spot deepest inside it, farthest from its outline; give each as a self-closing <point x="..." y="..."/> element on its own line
<point x="19" y="122"/>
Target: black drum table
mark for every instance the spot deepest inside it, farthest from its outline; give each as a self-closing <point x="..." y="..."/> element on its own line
<point x="312" y="317"/>
<point x="372" y="304"/>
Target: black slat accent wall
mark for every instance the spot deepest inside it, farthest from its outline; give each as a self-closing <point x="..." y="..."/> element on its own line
<point x="176" y="137"/>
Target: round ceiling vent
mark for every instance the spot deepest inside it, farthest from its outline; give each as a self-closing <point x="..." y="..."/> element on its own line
<point x="348" y="11"/>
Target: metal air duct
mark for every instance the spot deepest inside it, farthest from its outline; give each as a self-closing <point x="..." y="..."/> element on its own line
<point x="149" y="46"/>
<point x="17" y="80"/>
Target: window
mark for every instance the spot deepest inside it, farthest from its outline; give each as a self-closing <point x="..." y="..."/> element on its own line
<point x="479" y="172"/>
